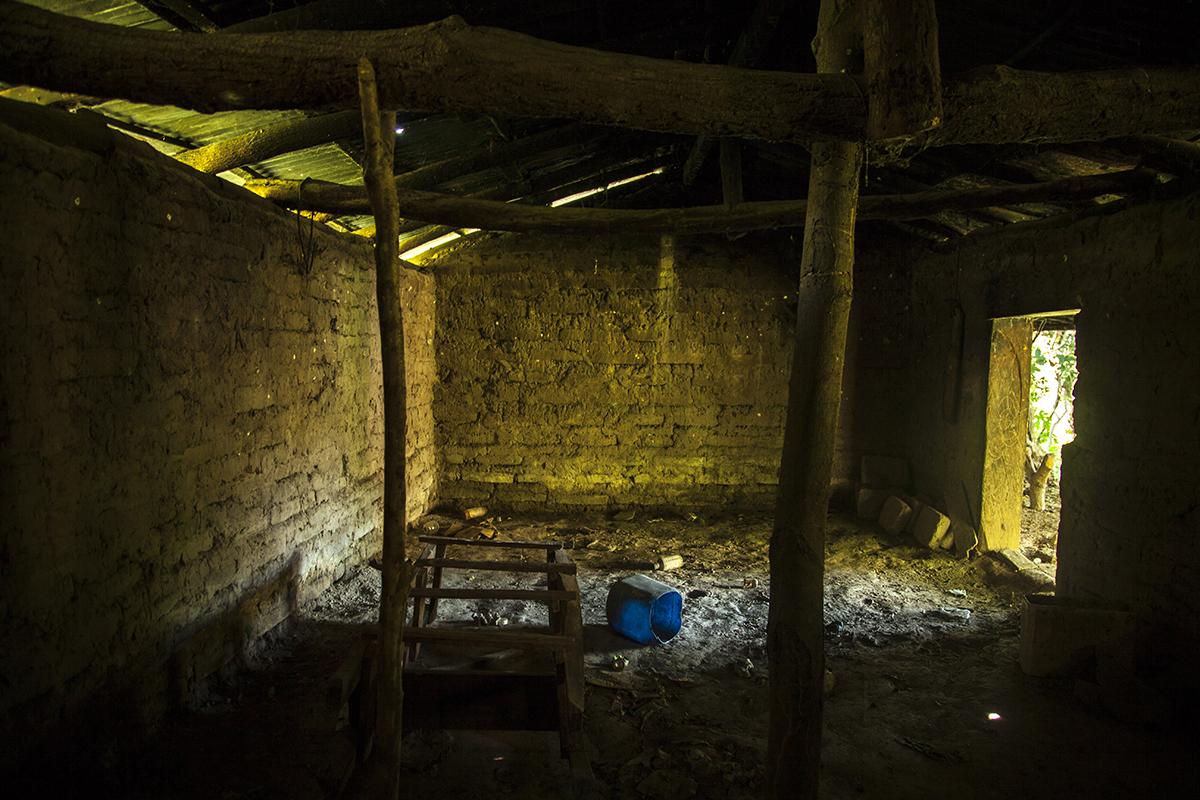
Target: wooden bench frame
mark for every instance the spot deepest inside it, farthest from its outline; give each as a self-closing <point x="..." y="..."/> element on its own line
<point x="483" y="699"/>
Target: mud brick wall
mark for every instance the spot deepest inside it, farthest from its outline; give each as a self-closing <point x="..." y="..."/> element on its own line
<point x="602" y="372"/>
<point x="1130" y="494"/>
<point x="191" y="431"/>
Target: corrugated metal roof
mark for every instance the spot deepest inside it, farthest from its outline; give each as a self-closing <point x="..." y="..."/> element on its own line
<point x="128" y="14"/>
<point x="327" y="162"/>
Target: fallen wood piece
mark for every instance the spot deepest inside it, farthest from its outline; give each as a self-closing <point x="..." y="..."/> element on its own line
<point x="494" y="215"/>
<point x="528" y="641"/>
<point x="490" y="543"/>
<point x="451" y="66"/>
<point x="496" y="566"/>
<point x="544" y="595"/>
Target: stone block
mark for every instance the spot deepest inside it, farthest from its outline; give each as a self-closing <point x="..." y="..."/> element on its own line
<point x="884" y="472"/>
<point x="869" y="502"/>
<point x="893" y="517"/>
<point x="930" y="526"/>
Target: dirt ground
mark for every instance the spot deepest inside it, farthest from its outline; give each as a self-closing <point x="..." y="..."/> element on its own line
<point x="1039" y="529"/>
<point x="922" y="647"/>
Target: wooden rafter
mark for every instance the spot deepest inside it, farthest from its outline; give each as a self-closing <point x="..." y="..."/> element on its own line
<point x="451" y="66"/>
<point x="467" y="212"/>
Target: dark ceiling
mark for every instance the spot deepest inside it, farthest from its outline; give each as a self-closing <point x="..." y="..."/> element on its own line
<point x="1066" y="35"/>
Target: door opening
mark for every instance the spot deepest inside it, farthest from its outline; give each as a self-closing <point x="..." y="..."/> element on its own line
<point x="1053" y="372"/>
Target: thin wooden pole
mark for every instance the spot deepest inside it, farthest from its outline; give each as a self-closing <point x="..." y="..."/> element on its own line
<point x="795" y="631"/>
<point x="379" y="136"/>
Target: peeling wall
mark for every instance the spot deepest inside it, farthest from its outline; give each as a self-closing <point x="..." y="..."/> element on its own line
<point x="1131" y="494"/>
<point x="615" y="370"/>
<point x="191" y="431"/>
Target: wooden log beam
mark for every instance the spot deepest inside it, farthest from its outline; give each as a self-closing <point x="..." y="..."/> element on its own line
<point x="272" y="140"/>
<point x="467" y="212"/>
<point x="795" y="623"/>
<point x="444" y="66"/>
<point x="1175" y="155"/>
<point x="451" y="66"/>
<point x="901" y="67"/>
<point x="379" y="138"/>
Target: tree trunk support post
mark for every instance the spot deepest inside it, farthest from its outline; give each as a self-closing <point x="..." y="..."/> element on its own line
<point x="379" y="135"/>
<point x="901" y="68"/>
<point x="795" y="630"/>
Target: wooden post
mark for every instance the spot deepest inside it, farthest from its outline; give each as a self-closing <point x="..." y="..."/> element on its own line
<point x="795" y="630"/>
<point x="379" y="135"/>
<point x="901" y="68"/>
<point x="731" y="171"/>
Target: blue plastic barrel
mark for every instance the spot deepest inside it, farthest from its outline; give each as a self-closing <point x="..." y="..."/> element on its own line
<point x="644" y="609"/>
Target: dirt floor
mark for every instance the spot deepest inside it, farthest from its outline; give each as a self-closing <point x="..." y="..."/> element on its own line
<point x="927" y="699"/>
<point x="1039" y="529"/>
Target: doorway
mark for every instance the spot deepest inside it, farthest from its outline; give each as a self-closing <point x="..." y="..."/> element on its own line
<point x="1051" y="425"/>
<point x="1029" y="416"/>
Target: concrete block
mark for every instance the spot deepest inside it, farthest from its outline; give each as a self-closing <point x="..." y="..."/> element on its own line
<point x="869" y="502"/>
<point x="929" y="526"/>
<point x="893" y="517"/>
<point x="882" y="472"/>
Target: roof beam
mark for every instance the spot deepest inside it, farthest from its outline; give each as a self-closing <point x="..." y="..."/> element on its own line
<point x="467" y="212"/>
<point x="451" y="66"/>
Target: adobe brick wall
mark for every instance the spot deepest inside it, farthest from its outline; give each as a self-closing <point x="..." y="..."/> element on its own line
<point x="190" y="434"/>
<point x="614" y="370"/>
<point x="1130" y="489"/>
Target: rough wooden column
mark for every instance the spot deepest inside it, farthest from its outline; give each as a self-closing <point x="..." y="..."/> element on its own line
<point x="901" y="67"/>
<point x="795" y="630"/>
<point x="378" y="131"/>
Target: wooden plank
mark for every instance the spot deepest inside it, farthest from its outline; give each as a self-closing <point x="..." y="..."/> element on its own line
<point x="479" y="700"/>
<point x="543" y="595"/>
<point x="517" y="639"/>
<point x="495" y="566"/>
<point x="490" y="543"/>
<point x="439" y="551"/>
<point x="571" y="619"/>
